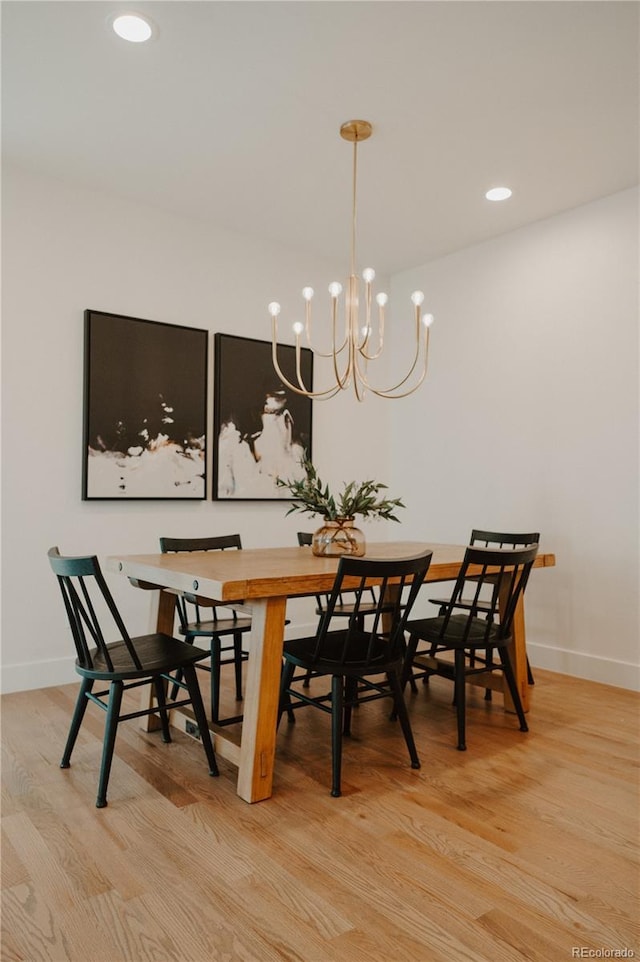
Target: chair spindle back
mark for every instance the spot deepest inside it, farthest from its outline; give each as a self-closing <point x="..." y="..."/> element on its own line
<point x="505" y="572"/>
<point x="78" y="578"/>
<point x="398" y="582"/>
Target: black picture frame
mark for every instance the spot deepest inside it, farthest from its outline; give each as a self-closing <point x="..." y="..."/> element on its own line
<point x="145" y="410"/>
<point x="262" y="429"/>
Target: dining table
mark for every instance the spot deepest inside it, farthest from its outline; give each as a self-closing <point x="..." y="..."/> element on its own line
<point x="263" y="579"/>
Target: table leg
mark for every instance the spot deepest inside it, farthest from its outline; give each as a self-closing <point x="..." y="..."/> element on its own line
<point x="518" y="653"/>
<point x="258" y="744"/>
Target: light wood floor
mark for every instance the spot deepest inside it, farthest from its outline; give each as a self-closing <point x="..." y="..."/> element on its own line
<point x="522" y="848"/>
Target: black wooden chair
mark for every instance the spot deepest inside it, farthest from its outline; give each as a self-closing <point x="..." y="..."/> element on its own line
<point x="345" y="604"/>
<point x="496" y="539"/>
<point x="344" y="607"/>
<point x="353" y="656"/>
<point x="201" y="618"/>
<point x="123" y="664"/>
<point x="474" y="624"/>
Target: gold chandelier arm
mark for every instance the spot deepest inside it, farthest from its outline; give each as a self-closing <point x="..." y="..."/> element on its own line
<point x="395" y="387"/>
<point x="299" y="367"/>
<point x="367" y="316"/>
<point x="416" y="355"/>
<point x="320" y="395"/>
<point x="307" y="329"/>
<point x="370" y="357"/>
<point x="360" y="385"/>
<point x="390" y="395"/>
<point x="362" y="346"/>
<point x="303" y="388"/>
<point x="341" y="380"/>
<point x="391" y="391"/>
<point x="362" y="349"/>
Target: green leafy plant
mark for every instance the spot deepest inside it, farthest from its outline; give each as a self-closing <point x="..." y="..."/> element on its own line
<point x="312" y="496"/>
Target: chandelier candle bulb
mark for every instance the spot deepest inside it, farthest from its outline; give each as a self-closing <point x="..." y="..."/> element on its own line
<point x="349" y="354"/>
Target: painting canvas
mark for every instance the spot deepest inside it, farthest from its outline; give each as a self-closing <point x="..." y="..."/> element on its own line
<point x="145" y="409"/>
<point x="262" y="429"/>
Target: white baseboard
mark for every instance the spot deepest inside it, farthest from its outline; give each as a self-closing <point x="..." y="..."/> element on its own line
<point x="61" y="671"/>
<point x="37" y="674"/>
<point x="300" y="631"/>
<point x="578" y="664"/>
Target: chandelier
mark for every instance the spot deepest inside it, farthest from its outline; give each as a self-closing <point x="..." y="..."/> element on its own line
<point x="362" y="339"/>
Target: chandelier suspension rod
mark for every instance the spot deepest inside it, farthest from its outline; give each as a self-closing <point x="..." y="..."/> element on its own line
<point x="354" y="207"/>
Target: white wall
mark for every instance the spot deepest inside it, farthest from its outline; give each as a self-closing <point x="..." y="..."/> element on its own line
<point x="529" y="421"/>
<point x="64" y="250"/>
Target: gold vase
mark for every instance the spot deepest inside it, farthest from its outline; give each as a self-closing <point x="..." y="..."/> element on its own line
<point x="339" y="537"/>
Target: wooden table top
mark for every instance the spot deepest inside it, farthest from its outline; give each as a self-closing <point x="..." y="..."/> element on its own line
<point x="275" y="572"/>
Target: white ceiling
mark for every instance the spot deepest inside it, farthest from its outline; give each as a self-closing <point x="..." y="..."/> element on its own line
<point x="231" y="113"/>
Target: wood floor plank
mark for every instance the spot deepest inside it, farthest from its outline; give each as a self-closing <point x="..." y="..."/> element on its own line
<point x="518" y="850"/>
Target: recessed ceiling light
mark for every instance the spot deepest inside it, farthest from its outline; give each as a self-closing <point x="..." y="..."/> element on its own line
<point x="498" y="193"/>
<point x="132" y="27"/>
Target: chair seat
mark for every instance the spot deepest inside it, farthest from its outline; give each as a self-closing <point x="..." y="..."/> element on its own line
<point x="221" y="626"/>
<point x="459" y="633"/>
<point x="301" y="652"/>
<point x="157" y="653"/>
<point x="466" y="603"/>
<point x="348" y="609"/>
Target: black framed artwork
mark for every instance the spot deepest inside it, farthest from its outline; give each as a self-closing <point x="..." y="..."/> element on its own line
<point x="262" y="429"/>
<point x="145" y="409"/>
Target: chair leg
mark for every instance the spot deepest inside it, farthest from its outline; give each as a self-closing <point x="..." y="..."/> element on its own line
<point x="406" y="674"/>
<point x="489" y="662"/>
<point x="410" y="678"/>
<point x="530" y="679"/>
<point x="215" y="679"/>
<point x="78" y="714"/>
<point x="355" y="702"/>
<point x="178" y="676"/>
<point x="403" y="716"/>
<point x="407" y="664"/>
<point x="197" y="704"/>
<point x="351" y="700"/>
<point x="336" y="734"/>
<point x="175" y="687"/>
<point x="158" y="684"/>
<point x="460" y="697"/>
<point x="285" y="699"/>
<point x="513" y="688"/>
<point x="237" y="662"/>
<point x="110" y="729"/>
